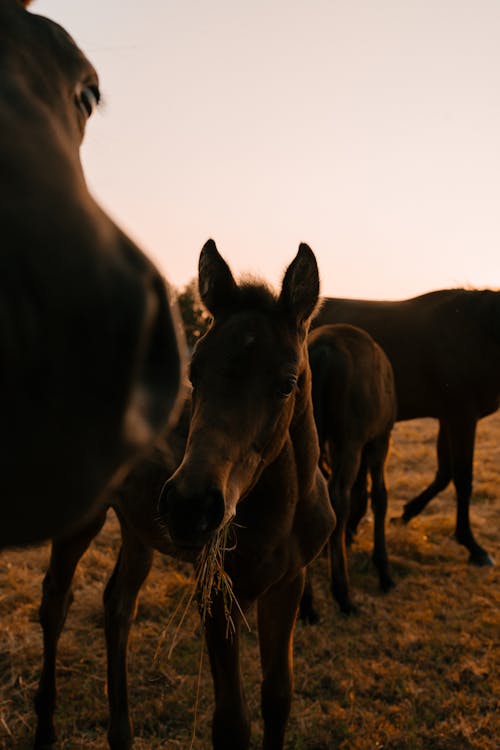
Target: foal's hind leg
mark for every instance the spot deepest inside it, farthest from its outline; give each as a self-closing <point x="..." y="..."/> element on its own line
<point x="377" y="452"/>
<point x="56" y="601"/>
<point x="356" y="509"/>
<point x="307" y="610"/>
<point x="359" y="502"/>
<point x="346" y="467"/>
<point x="120" y="597"/>
<point x="441" y="480"/>
<point x="277" y="611"/>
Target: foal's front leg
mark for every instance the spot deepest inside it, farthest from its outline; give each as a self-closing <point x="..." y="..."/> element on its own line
<point x="277" y="612"/>
<point x="231" y="723"/>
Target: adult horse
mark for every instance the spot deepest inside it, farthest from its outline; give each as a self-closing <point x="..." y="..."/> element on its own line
<point x="251" y="461"/>
<point x="91" y="348"/>
<point x="444" y="347"/>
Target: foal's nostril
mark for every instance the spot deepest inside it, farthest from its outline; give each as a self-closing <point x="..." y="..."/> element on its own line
<point x="191" y="520"/>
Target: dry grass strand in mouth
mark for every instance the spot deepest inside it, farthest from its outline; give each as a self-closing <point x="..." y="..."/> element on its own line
<point x="212" y="578"/>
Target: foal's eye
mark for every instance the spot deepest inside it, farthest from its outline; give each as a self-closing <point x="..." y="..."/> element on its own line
<point x="286" y="386"/>
<point x="87" y="98"/>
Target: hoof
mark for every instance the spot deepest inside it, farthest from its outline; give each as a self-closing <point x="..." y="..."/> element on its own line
<point x="45" y="740"/>
<point x="398" y="521"/>
<point x="387" y="584"/>
<point x="481" y="558"/>
<point x="348" y="609"/>
<point x="311" y="617"/>
<point x="45" y="745"/>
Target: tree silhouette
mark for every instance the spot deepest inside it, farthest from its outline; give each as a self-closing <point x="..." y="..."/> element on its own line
<point x="195" y="317"/>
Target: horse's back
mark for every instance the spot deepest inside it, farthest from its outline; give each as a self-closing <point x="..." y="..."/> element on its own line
<point x="442" y="346"/>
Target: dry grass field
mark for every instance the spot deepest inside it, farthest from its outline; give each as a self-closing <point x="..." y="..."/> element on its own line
<point x="416" y="669"/>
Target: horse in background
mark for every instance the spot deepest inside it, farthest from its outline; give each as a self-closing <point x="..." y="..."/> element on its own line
<point x="91" y="346"/>
<point x="247" y="459"/>
<point x="354" y="403"/>
<point x="444" y="347"/>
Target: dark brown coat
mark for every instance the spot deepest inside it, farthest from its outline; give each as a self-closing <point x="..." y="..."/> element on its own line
<point x="91" y="349"/>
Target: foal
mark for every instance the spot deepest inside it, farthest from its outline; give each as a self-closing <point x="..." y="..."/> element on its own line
<point x="251" y="457"/>
<point x="354" y="409"/>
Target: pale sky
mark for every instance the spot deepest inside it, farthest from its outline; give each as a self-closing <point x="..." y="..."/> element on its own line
<point x="368" y="129"/>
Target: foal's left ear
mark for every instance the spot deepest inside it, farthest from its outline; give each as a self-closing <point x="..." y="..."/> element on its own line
<point x="217" y="287"/>
<point x="300" y="288"/>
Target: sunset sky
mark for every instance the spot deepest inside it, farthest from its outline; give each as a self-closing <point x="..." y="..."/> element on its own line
<point x="370" y="130"/>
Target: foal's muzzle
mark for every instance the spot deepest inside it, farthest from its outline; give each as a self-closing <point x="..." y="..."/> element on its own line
<point x="192" y="520"/>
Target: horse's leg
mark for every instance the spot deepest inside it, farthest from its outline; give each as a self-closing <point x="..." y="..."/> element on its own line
<point x="377" y="457"/>
<point x="442" y="479"/>
<point x="359" y="501"/>
<point x="462" y="438"/>
<point x="307" y="611"/>
<point x="231" y="723"/>
<point x="345" y="470"/>
<point x="120" y="597"/>
<point x="56" y="601"/>
<point x="277" y="611"/>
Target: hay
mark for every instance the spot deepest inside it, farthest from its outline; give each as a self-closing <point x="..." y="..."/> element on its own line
<point x="212" y="578"/>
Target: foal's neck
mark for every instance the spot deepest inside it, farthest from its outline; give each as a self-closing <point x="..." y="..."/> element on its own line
<point x="303" y="433"/>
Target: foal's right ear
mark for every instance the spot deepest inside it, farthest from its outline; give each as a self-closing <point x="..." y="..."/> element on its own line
<point x="217" y="287"/>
